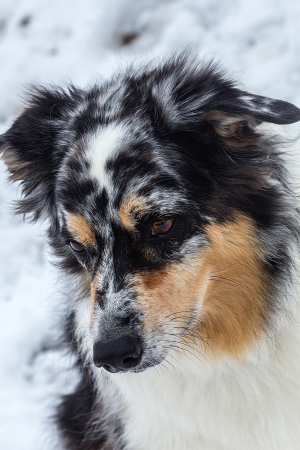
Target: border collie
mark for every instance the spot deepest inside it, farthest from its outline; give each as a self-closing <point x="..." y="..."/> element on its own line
<point x="172" y="215"/>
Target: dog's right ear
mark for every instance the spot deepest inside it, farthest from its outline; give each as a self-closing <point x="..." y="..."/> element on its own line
<point x="34" y="146"/>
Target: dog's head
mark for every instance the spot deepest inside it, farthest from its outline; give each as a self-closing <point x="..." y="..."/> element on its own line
<point x="167" y="201"/>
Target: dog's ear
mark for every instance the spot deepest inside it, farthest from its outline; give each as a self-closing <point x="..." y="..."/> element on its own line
<point x="261" y="109"/>
<point x="34" y="146"/>
<point x="189" y="94"/>
<point x="235" y="120"/>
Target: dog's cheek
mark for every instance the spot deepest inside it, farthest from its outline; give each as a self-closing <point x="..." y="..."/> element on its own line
<point x="218" y="294"/>
<point x="235" y="306"/>
<point x="171" y="296"/>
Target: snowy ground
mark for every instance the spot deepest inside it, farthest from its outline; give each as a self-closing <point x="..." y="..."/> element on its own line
<point x="60" y="40"/>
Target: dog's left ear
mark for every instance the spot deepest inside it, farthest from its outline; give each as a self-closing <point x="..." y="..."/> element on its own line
<point x="187" y="92"/>
<point x="261" y="109"/>
<point x="35" y="145"/>
<point x="235" y="118"/>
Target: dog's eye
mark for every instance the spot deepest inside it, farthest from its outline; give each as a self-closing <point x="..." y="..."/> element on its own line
<point x="161" y="227"/>
<point x="77" y="247"/>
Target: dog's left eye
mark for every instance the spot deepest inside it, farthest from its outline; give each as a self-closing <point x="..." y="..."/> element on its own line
<point x="161" y="227"/>
<point x="77" y="247"/>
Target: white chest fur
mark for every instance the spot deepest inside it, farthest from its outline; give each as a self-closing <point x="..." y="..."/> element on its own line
<point x="226" y="406"/>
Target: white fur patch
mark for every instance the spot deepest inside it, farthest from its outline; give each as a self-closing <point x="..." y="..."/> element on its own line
<point x="193" y="404"/>
<point x="102" y="146"/>
<point x="253" y="106"/>
<point x="82" y="327"/>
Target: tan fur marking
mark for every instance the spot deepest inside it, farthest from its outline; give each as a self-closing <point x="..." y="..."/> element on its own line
<point x="19" y="170"/>
<point x="80" y="229"/>
<point x="171" y="292"/>
<point x="131" y="207"/>
<point x="234" y="303"/>
<point x="86" y="284"/>
<point x="226" y="281"/>
<point x="231" y="129"/>
<point x="93" y="295"/>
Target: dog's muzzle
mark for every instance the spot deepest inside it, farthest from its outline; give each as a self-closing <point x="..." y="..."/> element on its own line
<point x="118" y="355"/>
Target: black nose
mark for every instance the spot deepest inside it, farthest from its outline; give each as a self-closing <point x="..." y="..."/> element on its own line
<point x="119" y="354"/>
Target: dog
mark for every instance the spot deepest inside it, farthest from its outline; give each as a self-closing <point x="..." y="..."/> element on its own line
<point x="170" y="210"/>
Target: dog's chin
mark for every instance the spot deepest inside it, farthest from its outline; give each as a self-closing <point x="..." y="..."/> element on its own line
<point x="113" y="370"/>
<point x="141" y="367"/>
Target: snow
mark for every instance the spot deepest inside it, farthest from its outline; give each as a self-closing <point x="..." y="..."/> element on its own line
<point x="56" y="41"/>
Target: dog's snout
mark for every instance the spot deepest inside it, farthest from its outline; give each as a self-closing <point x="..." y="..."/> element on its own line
<point x="119" y="354"/>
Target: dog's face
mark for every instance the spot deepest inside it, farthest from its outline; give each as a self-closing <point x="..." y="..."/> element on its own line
<point x="160" y="192"/>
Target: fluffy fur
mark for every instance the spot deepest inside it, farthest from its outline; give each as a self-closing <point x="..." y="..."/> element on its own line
<point x="212" y="303"/>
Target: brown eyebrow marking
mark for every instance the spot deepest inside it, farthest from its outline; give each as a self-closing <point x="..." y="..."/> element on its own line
<point x="129" y="208"/>
<point x="80" y="229"/>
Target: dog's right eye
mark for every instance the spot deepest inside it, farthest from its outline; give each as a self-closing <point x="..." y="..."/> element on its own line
<point x="161" y="227"/>
<point x="77" y="247"/>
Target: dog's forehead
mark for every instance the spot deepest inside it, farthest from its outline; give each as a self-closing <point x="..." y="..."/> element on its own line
<point x="102" y="148"/>
<point x="116" y="172"/>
